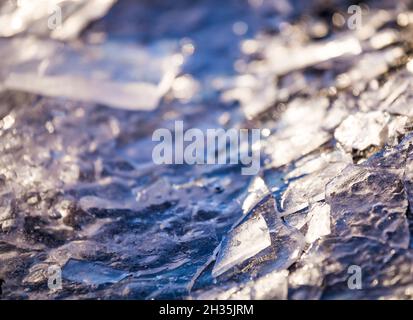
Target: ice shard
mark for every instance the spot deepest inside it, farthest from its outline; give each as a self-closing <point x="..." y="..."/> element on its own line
<point x="319" y="222"/>
<point x="310" y="188"/>
<point x="278" y="247"/>
<point x="244" y="242"/>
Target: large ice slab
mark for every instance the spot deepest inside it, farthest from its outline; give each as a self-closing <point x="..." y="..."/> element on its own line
<point x="118" y="75"/>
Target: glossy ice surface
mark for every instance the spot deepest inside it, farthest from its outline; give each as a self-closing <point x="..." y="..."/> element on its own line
<point x="79" y="189"/>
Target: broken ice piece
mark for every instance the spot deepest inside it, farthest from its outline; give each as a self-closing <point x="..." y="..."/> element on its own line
<point x="285" y="150"/>
<point x="121" y="76"/>
<point x="298" y="132"/>
<point x="300" y="56"/>
<point x="91" y="273"/>
<point x="361" y="130"/>
<point x="59" y="19"/>
<point x="262" y="243"/>
<point x="371" y="66"/>
<point x="399" y="98"/>
<point x="313" y="163"/>
<point x="336" y="114"/>
<point x="311" y="188"/>
<point x="91" y="202"/>
<point x="243" y="242"/>
<point x="270" y="286"/>
<point x="391" y="157"/>
<point x="257" y="190"/>
<point x="255" y="94"/>
<point x="319" y="222"/>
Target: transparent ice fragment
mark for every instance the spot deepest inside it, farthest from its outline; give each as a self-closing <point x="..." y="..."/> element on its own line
<point x="297" y="220"/>
<point x="285" y="150"/>
<point x="120" y="76"/>
<point x="384" y="38"/>
<point x="361" y="130"/>
<point x="370" y="66"/>
<point x="308" y="189"/>
<point x="158" y="193"/>
<point x="274" y="246"/>
<point x="298" y="132"/>
<point x="37" y="274"/>
<point x="243" y="242"/>
<point x="399" y="101"/>
<point x="90" y="202"/>
<point x="313" y="163"/>
<point x="392" y="157"/>
<point x="257" y="190"/>
<point x="394" y="96"/>
<point x="91" y="273"/>
<point x="58" y="19"/>
<point x="283" y="59"/>
<point x="398" y="126"/>
<point x="319" y="222"/>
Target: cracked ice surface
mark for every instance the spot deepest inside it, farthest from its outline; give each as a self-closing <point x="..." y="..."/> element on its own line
<point x="78" y="188"/>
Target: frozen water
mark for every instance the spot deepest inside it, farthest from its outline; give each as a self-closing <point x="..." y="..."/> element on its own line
<point x="310" y="188"/>
<point x="257" y="190"/>
<point x="78" y="187"/>
<point x="273" y="286"/>
<point x="362" y="197"/>
<point x="362" y="130"/>
<point x="91" y="273"/>
<point x="274" y="245"/>
<point x="298" y="132"/>
<point x="319" y="222"/>
<point x="122" y="76"/>
<point x="242" y="243"/>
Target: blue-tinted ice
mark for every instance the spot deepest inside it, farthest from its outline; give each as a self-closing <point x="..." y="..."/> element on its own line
<point x="79" y="189"/>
